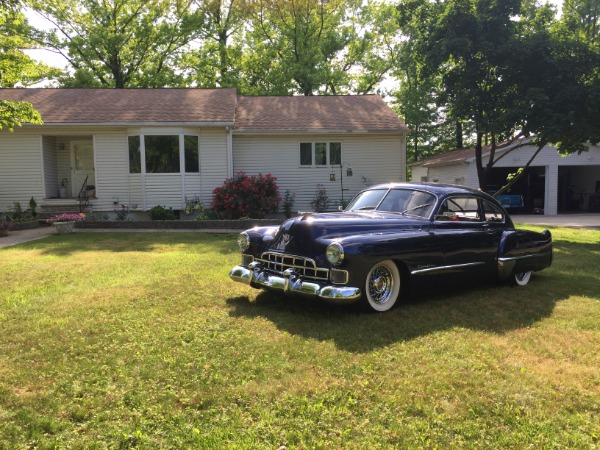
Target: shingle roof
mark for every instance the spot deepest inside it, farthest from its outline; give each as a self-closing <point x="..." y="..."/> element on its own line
<point x="316" y="113"/>
<point x="135" y="106"/>
<point x="206" y="106"/>
<point x="464" y="155"/>
<point x="450" y="157"/>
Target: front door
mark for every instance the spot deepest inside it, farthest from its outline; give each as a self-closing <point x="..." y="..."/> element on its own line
<point x="82" y="162"/>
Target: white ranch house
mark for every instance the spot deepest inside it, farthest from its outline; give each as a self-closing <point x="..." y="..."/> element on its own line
<point x="148" y="147"/>
<point x="553" y="184"/>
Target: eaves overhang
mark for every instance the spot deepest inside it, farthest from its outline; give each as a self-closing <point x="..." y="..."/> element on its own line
<point x="132" y="124"/>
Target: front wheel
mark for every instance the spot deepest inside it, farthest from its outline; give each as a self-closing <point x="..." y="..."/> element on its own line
<point x="521" y="278"/>
<point x="382" y="286"/>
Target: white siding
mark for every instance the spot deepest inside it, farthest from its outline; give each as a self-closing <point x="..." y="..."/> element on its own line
<point x="20" y="170"/>
<point x="135" y="198"/>
<point x="213" y="162"/>
<point x="112" y="170"/>
<point x="549" y="156"/>
<point x="163" y="189"/>
<point x="373" y="159"/>
<point x="193" y="186"/>
<point x="50" y="167"/>
<point x="450" y="174"/>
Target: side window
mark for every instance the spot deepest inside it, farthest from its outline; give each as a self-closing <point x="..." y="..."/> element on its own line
<point x="492" y="212"/>
<point x="335" y="153"/>
<point x="135" y="158"/>
<point x="320" y="153"/>
<point x="459" y="209"/>
<point x="305" y="154"/>
<point x="192" y="158"/>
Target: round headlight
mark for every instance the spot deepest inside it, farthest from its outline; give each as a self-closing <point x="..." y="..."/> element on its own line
<point x="243" y="241"/>
<point x="334" y="253"/>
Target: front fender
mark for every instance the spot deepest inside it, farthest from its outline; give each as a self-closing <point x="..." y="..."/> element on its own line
<point x="414" y="249"/>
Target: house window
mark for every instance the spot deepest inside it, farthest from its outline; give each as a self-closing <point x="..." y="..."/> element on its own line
<point x="192" y="160"/>
<point x="135" y="156"/>
<point x="320" y="153"/>
<point x="306" y="154"/>
<point x="335" y="153"/>
<point x="162" y="154"/>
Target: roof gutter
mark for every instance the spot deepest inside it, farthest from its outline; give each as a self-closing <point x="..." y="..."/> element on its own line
<point x="313" y="131"/>
<point x="133" y="124"/>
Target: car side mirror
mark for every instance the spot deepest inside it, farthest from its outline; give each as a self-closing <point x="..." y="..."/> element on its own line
<point x="340" y="208"/>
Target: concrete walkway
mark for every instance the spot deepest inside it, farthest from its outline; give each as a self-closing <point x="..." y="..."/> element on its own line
<point x="591" y="221"/>
<point x="21" y="236"/>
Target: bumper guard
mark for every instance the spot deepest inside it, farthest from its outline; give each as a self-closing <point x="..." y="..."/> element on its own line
<point x="255" y="276"/>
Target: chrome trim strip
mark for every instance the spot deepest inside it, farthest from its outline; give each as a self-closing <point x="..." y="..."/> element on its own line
<point x="344" y="273"/>
<point x="255" y="275"/>
<point x="518" y="258"/>
<point x="441" y="268"/>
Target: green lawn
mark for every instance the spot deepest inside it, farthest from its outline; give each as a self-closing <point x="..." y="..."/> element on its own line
<point x="125" y="340"/>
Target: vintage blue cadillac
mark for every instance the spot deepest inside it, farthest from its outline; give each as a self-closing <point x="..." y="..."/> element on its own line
<point x="388" y="236"/>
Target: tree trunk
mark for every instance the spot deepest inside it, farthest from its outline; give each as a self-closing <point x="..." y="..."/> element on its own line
<point x="481" y="171"/>
<point x="459" y="135"/>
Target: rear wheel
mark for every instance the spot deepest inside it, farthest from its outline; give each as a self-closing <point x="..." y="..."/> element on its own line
<point x="521" y="278"/>
<point x="382" y="286"/>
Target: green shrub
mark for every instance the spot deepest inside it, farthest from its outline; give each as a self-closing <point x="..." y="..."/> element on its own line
<point x="162" y="213"/>
<point x="320" y="201"/>
<point x="288" y="203"/>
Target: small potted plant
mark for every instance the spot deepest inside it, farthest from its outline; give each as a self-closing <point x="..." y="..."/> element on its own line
<point x="65" y="223"/>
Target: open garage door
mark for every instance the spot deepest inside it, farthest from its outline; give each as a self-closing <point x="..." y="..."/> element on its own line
<point x="526" y="195"/>
<point x="578" y="189"/>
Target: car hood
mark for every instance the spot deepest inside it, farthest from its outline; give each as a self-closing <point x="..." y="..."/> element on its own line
<point x="309" y="233"/>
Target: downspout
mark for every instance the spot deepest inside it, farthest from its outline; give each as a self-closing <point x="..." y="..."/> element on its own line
<point x="143" y="171"/>
<point x="229" y="138"/>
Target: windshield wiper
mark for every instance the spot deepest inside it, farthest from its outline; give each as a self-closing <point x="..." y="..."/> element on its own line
<point x="424" y="205"/>
<point x="364" y="208"/>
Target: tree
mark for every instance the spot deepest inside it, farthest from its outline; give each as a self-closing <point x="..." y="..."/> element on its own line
<point x="216" y="62"/>
<point x="119" y="43"/>
<point x="309" y="47"/>
<point x="419" y="97"/>
<point x="582" y="17"/>
<point x="511" y="71"/>
<point x="16" y="67"/>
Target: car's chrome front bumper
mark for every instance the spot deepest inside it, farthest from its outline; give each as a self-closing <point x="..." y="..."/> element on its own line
<point x="256" y="276"/>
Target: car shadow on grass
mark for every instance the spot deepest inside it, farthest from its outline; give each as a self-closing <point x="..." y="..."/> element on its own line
<point x="496" y="308"/>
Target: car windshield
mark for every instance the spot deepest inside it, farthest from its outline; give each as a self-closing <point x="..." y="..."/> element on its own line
<point x="402" y="201"/>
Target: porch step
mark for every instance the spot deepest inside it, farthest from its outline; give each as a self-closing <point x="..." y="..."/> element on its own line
<point x="53" y="207"/>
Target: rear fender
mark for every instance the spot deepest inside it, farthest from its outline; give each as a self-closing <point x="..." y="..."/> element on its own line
<point x="523" y="251"/>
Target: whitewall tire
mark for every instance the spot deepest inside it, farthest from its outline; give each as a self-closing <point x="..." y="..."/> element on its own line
<point x="521" y="278"/>
<point x="382" y="286"/>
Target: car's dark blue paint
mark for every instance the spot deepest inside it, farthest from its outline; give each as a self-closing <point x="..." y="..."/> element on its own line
<point x="418" y="246"/>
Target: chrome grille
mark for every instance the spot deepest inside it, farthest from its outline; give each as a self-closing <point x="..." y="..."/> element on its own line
<point x="305" y="267"/>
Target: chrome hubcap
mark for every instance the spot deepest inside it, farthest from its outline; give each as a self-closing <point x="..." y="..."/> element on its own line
<point x="381" y="285"/>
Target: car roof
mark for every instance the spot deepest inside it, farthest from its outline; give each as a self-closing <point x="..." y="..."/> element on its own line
<point x="434" y="188"/>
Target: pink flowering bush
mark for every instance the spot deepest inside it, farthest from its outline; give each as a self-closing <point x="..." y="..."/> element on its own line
<point x="246" y="196"/>
<point x="66" y="217"/>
